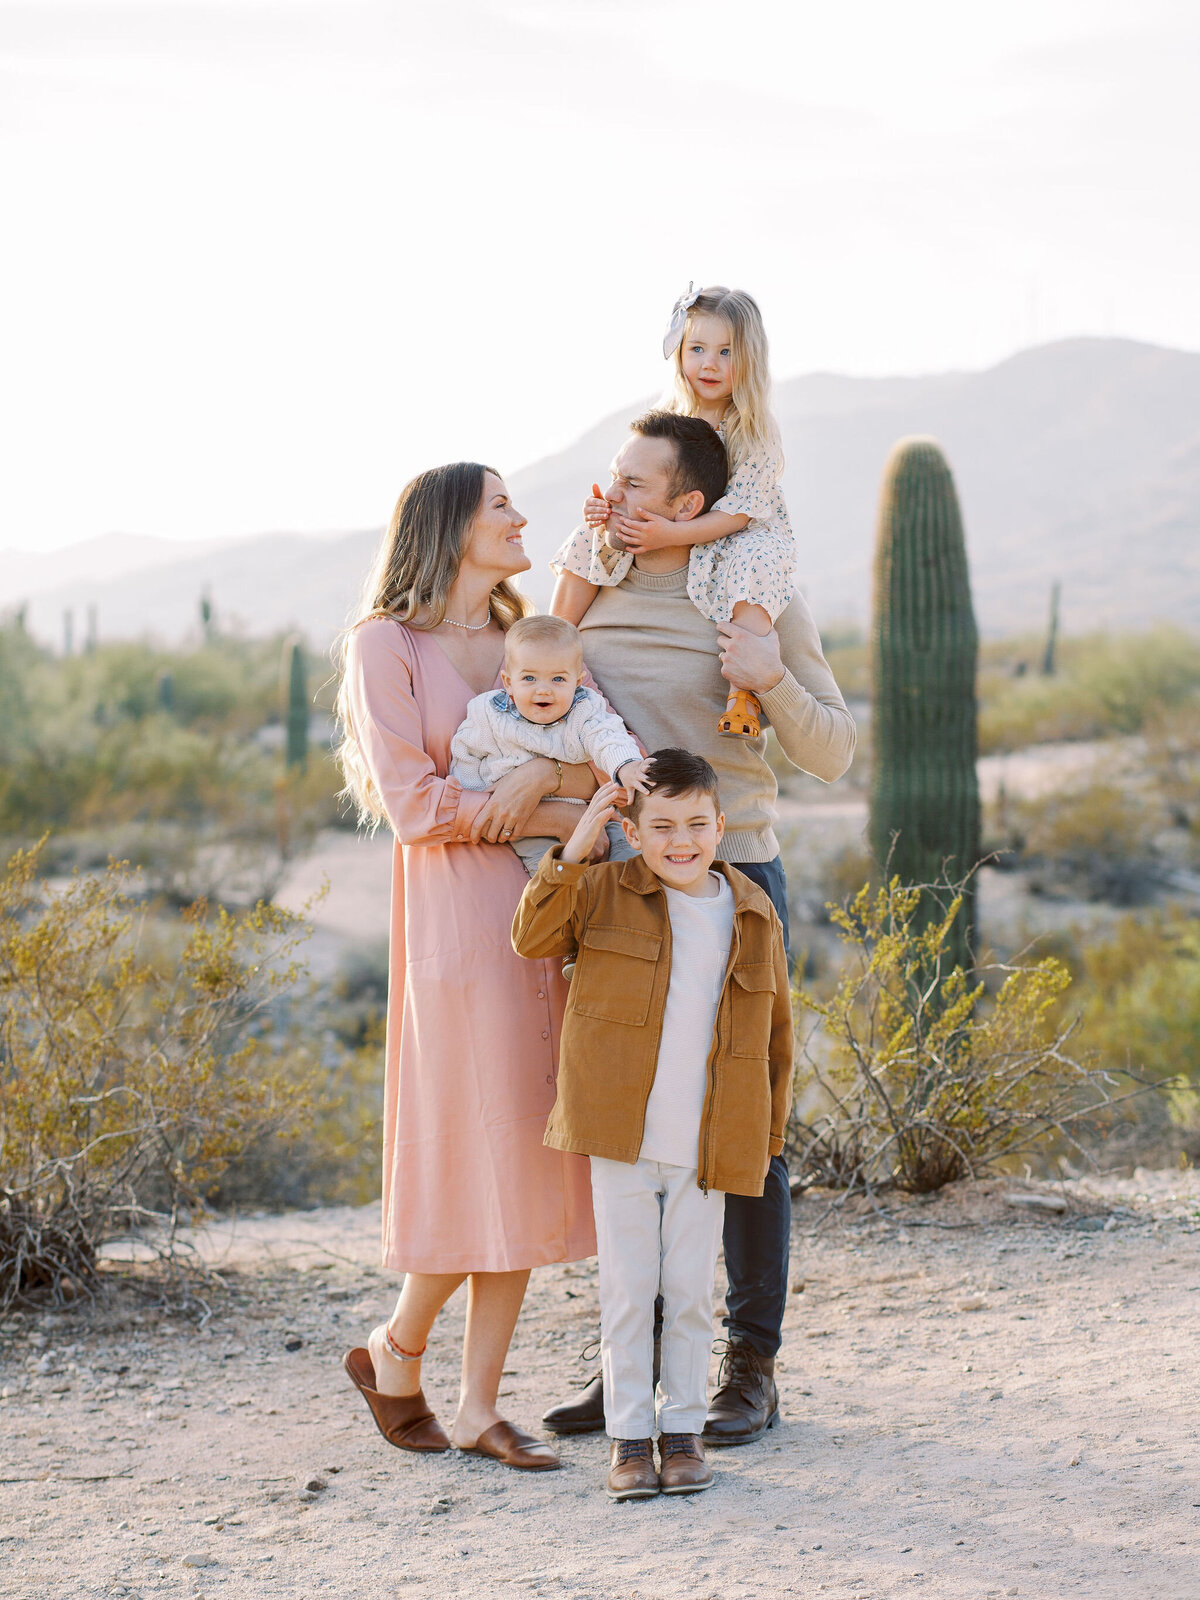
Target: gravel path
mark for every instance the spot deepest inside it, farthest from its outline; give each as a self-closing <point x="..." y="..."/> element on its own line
<point x="979" y="1400"/>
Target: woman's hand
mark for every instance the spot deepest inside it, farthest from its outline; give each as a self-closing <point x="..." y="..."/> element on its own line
<point x="505" y="814"/>
<point x="602" y="808"/>
<point x="648" y="531"/>
<point x="596" y="509"/>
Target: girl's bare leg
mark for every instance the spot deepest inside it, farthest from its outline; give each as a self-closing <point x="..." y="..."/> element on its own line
<point x="493" y="1305"/>
<point x="573" y="595"/>
<point x="753" y="618"/>
<point x="421" y="1298"/>
<point x="743" y="710"/>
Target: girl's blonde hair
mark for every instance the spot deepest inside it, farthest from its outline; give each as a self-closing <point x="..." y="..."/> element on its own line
<point x="750" y="425"/>
<point x="417" y="562"/>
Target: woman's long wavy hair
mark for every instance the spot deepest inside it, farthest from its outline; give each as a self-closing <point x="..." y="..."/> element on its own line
<point x="750" y="425"/>
<point x="418" y="560"/>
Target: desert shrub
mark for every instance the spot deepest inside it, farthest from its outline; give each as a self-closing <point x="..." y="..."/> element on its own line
<point x="1173" y="760"/>
<point x="334" y="1157"/>
<point x="917" y="1074"/>
<point x="843" y="874"/>
<point x="127" y="1088"/>
<point x="1096" y="842"/>
<point x="93" y="742"/>
<point x="1144" y="982"/>
<point x="846" y="650"/>
<point x="1106" y="684"/>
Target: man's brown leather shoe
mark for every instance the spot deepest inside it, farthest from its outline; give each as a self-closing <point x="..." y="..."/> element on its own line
<point x="631" y="1474"/>
<point x="746" y="1403"/>
<point x="584" y="1414"/>
<point x="682" y="1468"/>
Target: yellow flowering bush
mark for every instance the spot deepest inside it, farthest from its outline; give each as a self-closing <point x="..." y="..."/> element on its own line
<point x="918" y="1072"/>
<point x="128" y="1085"/>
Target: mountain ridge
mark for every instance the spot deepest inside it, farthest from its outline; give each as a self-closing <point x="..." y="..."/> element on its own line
<point x="1077" y="461"/>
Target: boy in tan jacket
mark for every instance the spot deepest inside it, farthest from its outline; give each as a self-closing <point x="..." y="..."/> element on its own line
<point x="675" y="1078"/>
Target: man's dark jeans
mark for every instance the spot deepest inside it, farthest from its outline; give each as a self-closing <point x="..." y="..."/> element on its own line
<point x="758" y="1230"/>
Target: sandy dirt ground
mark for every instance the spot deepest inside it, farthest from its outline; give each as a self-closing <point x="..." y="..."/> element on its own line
<point x="978" y="1400"/>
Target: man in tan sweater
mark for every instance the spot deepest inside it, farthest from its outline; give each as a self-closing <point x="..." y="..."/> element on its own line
<point x="666" y="671"/>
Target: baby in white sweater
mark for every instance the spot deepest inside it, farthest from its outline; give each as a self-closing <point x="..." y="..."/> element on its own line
<point x="543" y="710"/>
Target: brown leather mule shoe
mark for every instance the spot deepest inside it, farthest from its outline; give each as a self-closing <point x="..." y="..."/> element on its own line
<point x="631" y="1474"/>
<point x="514" y="1448"/>
<point x="682" y="1467"/>
<point x="404" y="1420"/>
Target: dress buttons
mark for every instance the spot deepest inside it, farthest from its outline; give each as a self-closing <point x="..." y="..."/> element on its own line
<point x="541" y="994"/>
<point x="549" y="1077"/>
<point x="545" y="1034"/>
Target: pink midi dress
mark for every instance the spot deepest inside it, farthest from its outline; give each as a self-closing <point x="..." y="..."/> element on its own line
<point x="472" y="1028"/>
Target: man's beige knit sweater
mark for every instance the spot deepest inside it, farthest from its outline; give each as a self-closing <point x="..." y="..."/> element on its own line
<point x="656" y="660"/>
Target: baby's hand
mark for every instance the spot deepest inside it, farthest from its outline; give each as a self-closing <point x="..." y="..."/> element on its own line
<point x="601" y="809"/>
<point x="632" y="775"/>
<point x="596" y="509"/>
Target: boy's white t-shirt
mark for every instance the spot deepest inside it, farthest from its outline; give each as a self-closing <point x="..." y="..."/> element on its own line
<point x="701" y="932"/>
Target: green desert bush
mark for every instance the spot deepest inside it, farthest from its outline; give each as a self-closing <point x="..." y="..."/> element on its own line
<point x="1143" y="985"/>
<point x="129" y="1086"/>
<point x="1095" y="842"/>
<point x="918" y="1072"/>
<point x="1105" y="684"/>
<point x="1173" y="760"/>
<point x="127" y="733"/>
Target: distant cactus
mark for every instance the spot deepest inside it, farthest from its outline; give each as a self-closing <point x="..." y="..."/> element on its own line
<point x="1049" y="661"/>
<point x="924" y="790"/>
<point x="296" y="708"/>
<point x="207" y="616"/>
<point x="166" y="692"/>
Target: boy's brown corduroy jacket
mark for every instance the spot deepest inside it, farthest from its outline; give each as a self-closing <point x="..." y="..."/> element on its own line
<point x="615" y="914"/>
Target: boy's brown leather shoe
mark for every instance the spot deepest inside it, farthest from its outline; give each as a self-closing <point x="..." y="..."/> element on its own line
<point x="747" y="1403"/>
<point x="631" y="1474"/>
<point x="682" y="1467"/>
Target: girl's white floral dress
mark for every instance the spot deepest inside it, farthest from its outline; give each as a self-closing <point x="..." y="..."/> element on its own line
<point x="756" y="565"/>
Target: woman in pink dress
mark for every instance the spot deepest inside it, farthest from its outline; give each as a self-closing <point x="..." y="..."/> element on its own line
<point x="469" y="1190"/>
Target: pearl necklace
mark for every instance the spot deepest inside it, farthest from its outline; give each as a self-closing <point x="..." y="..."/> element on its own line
<point x="470" y="627"/>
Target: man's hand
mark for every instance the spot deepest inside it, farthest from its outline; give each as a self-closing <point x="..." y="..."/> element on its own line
<point x="602" y="808"/>
<point x="750" y="660"/>
<point x="505" y="814"/>
<point x="648" y="531"/>
<point x="631" y="775"/>
<point x="596" y="509"/>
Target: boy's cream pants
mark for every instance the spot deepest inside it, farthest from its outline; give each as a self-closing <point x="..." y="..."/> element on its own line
<point x="655" y="1231"/>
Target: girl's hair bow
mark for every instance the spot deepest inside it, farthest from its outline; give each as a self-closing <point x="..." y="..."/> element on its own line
<point x="673" y="337"/>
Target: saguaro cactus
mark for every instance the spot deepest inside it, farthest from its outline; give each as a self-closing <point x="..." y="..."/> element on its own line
<point x="1050" y="659"/>
<point x="296" y="710"/>
<point x="924" y="789"/>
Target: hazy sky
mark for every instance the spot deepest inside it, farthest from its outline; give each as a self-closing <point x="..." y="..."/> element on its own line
<point x="263" y="261"/>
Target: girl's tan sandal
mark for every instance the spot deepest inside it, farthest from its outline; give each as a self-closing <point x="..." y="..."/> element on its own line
<point x="739" y="720"/>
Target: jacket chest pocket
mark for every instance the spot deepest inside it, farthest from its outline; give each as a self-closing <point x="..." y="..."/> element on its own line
<point x="615" y="980"/>
<point x="752" y="998"/>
